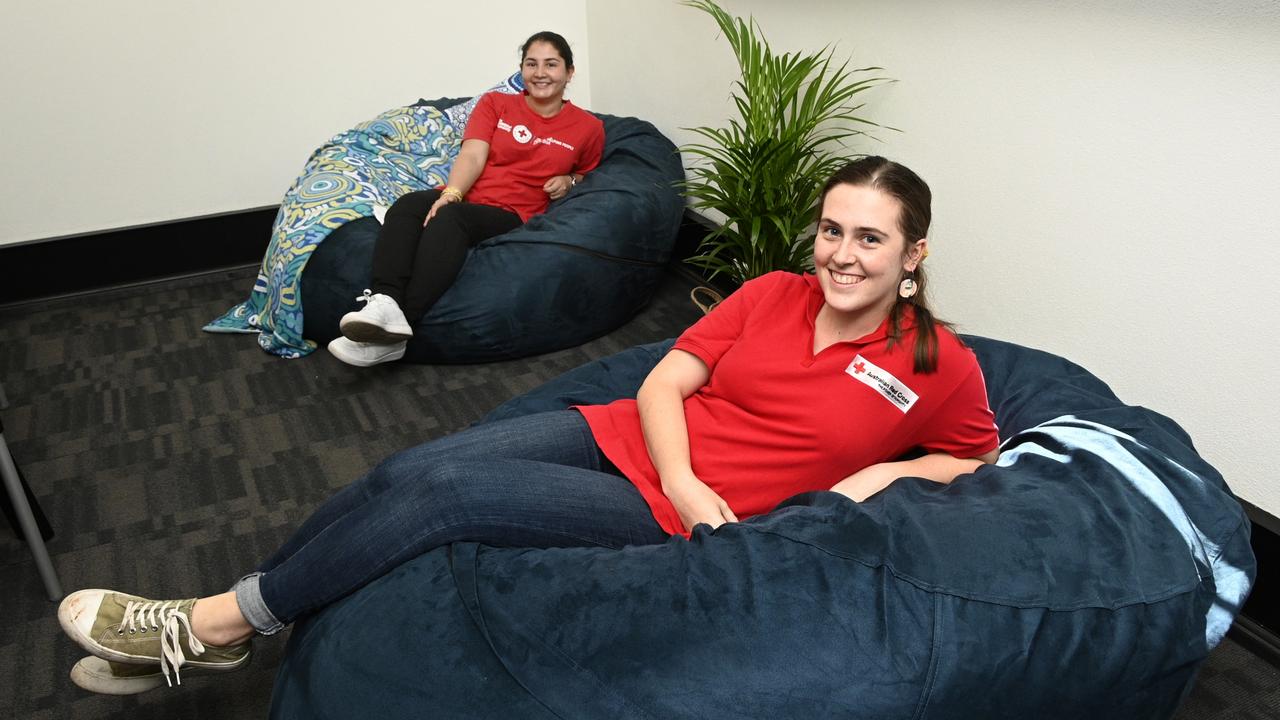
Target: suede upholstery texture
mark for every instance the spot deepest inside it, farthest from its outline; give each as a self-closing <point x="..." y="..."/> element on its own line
<point x="569" y="275"/>
<point x="1086" y="574"/>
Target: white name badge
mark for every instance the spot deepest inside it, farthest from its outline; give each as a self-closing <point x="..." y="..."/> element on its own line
<point x="878" y="379"/>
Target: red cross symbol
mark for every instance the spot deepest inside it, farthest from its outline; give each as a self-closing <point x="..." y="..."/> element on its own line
<point x="859" y="368"/>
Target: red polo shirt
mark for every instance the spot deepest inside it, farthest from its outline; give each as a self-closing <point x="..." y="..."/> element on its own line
<point x="526" y="150"/>
<point x="774" y="420"/>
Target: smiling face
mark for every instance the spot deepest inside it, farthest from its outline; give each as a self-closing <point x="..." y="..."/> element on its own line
<point x="545" y="72"/>
<point x="860" y="256"/>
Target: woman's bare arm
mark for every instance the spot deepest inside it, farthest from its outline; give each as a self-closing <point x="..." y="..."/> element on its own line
<point x="938" y="467"/>
<point x="466" y="170"/>
<point x="666" y="435"/>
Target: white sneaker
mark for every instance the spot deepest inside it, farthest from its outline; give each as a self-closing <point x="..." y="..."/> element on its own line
<point x="364" y="354"/>
<point x="380" y="321"/>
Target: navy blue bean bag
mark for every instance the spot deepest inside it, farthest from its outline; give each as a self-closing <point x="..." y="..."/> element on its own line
<point x="1087" y="574"/>
<point x="576" y="272"/>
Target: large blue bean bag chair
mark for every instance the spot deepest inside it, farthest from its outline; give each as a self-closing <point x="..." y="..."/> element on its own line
<point x="1087" y="574"/>
<point x="569" y="275"/>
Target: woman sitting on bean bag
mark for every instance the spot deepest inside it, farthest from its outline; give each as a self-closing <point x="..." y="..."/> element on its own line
<point x="518" y="153"/>
<point x="795" y="383"/>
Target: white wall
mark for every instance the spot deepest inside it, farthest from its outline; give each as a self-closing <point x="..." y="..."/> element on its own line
<point x="132" y="112"/>
<point x="1105" y="180"/>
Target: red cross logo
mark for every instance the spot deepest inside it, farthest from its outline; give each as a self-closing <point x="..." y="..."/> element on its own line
<point x="521" y="134"/>
<point x="859" y="368"/>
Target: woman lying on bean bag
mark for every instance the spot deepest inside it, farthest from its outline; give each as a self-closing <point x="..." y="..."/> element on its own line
<point x="796" y="383"/>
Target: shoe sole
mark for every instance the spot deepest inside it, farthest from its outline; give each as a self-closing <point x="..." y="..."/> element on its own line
<point x="94" y="674"/>
<point x="70" y="608"/>
<point x="367" y="332"/>
<point x="360" y="362"/>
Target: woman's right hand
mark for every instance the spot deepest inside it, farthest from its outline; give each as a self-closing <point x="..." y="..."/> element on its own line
<point x="435" y="206"/>
<point x="697" y="503"/>
<point x="660" y="402"/>
<point x="467" y="167"/>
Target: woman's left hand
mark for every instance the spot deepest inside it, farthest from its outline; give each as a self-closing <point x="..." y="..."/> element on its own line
<point x="868" y="481"/>
<point x="938" y="467"/>
<point x="558" y="186"/>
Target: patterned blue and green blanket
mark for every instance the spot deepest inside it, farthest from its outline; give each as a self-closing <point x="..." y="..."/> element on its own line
<point x="357" y="173"/>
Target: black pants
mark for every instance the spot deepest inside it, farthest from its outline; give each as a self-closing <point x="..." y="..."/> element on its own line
<point x="415" y="265"/>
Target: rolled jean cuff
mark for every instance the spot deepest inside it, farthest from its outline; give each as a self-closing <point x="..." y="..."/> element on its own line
<point x="253" y="607"/>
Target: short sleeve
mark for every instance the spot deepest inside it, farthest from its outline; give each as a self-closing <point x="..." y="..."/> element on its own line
<point x="963" y="426"/>
<point x="484" y="120"/>
<point x="589" y="158"/>
<point x="712" y="336"/>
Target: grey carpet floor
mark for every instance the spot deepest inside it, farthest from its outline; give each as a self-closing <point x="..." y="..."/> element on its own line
<point x="172" y="460"/>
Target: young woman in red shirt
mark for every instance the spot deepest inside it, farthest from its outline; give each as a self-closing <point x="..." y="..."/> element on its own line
<point x="519" y="152"/>
<point x="795" y="383"/>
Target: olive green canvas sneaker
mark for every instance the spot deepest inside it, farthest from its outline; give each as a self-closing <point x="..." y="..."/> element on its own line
<point x="134" y="630"/>
<point x="110" y="678"/>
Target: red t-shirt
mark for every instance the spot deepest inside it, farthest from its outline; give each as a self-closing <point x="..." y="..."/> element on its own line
<point x="774" y="420"/>
<point x="526" y="150"/>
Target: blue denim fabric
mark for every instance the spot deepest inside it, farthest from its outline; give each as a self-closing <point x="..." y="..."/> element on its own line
<point x="534" y="481"/>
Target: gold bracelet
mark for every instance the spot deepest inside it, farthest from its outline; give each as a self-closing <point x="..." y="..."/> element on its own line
<point x="452" y="192"/>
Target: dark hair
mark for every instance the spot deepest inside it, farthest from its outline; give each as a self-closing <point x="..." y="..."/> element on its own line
<point x="555" y="40"/>
<point x="915" y="214"/>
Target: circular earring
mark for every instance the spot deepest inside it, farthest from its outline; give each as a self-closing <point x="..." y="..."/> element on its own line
<point x="907" y="288"/>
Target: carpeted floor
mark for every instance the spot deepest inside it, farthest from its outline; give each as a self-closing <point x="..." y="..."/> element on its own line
<point x="172" y="459"/>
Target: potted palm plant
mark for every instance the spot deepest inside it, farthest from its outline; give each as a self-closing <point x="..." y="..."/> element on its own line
<point x="760" y="176"/>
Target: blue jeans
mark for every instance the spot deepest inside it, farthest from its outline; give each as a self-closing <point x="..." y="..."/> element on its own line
<point x="535" y="481"/>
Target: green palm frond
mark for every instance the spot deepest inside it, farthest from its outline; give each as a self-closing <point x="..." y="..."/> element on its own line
<point x="765" y="170"/>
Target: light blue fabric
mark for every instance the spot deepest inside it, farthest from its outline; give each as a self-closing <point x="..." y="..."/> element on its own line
<point x="1147" y="471"/>
<point x="401" y="150"/>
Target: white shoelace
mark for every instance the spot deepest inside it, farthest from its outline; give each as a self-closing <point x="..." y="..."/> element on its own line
<point x="366" y="298"/>
<point x="165" y="617"/>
